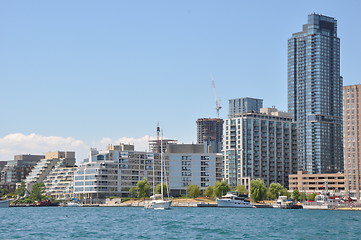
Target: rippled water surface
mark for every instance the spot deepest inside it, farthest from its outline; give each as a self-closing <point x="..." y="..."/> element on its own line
<point x="177" y="223"/>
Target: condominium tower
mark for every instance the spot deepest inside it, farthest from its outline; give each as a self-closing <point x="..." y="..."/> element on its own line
<point x="315" y="94"/>
<point x="351" y="137"/>
<point x="260" y="145"/>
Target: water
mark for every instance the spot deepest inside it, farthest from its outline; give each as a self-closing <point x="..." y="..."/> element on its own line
<point x="177" y="223"/>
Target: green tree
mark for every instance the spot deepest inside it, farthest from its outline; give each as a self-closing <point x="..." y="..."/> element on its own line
<point x="221" y="188"/>
<point x="37" y="192"/>
<point x="241" y="189"/>
<point x="3" y="191"/>
<point x="258" y="190"/>
<point x="158" y="189"/>
<point x="296" y="195"/>
<point x="303" y="196"/>
<point x="311" y="196"/>
<point x="133" y="191"/>
<point x="275" y="190"/>
<point x="193" y="191"/>
<point x="20" y="191"/>
<point x="209" y="192"/>
<point x="143" y="188"/>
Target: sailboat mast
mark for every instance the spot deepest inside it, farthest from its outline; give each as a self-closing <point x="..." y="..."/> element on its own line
<point x="161" y="164"/>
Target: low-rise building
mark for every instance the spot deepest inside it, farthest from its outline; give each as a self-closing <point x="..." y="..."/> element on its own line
<point x="114" y="171"/>
<point x="317" y="183"/>
<point x="192" y="164"/>
<point x="53" y="162"/>
<point x="17" y="170"/>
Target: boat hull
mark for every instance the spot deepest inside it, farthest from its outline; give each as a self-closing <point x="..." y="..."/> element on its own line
<point x="158" y="204"/>
<point x="4" y="203"/>
<point x="233" y="203"/>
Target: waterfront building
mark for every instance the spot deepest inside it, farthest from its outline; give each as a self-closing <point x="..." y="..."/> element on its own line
<point x="210" y="131"/>
<point x="192" y="164"/>
<point x="17" y="170"/>
<point x="52" y="162"/>
<point x="243" y="105"/>
<point x="60" y="181"/>
<point x="260" y="145"/>
<point x="114" y="171"/>
<point x="352" y="139"/>
<point x="315" y="94"/>
<point x="333" y="183"/>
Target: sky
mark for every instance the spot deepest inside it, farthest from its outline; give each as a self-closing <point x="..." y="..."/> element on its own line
<point x="81" y="74"/>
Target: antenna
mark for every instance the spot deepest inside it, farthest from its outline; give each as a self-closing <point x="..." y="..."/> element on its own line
<point x="218" y="101"/>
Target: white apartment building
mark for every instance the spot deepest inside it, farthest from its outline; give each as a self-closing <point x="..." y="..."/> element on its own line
<point x="113" y="172"/>
<point x="53" y="162"/>
<point x="259" y="145"/>
<point x="192" y="164"/>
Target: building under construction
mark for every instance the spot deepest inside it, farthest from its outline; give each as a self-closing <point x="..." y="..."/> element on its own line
<point x="157" y="145"/>
<point x="210" y="130"/>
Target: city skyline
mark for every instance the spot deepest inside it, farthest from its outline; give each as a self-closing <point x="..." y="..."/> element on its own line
<point x="88" y="74"/>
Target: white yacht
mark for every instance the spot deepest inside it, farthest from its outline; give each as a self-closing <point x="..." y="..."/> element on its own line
<point x="234" y="200"/>
<point x="4" y="203"/>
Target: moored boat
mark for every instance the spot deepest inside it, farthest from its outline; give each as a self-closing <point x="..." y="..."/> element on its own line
<point x="234" y="200"/>
<point x="282" y="202"/>
<point x="4" y="203"/>
<point x="157" y="202"/>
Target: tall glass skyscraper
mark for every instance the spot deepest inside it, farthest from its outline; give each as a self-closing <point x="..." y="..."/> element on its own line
<point x="315" y="94"/>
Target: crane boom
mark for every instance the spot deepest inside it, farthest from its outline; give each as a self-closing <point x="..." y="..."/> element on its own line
<point x="217" y="100"/>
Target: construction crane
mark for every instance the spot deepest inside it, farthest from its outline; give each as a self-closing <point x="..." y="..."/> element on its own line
<point x="218" y="101"/>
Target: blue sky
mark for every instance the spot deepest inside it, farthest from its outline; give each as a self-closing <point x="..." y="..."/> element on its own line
<point x="87" y="73"/>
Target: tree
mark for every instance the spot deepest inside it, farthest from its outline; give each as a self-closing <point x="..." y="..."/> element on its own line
<point x="311" y="196"/>
<point x="133" y="191"/>
<point x="303" y="196"/>
<point x="241" y="189"/>
<point x="143" y="188"/>
<point x="37" y="192"/>
<point x="275" y="190"/>
<point x="258" y="190"/>
<point x="20" y="191"/>
<point x="221" y="188"/>
<point x="3" y="191"/>
<point x="193" y="191"/>
<point x="209" y="191"/>
<point x="158" y="189"/>
<point x="296" y="195"/>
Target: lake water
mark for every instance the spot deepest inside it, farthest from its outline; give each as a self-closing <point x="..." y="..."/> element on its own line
<point x="176" y="223"/>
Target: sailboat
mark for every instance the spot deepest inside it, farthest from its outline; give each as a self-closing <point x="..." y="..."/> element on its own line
<point x="157" y="201"/>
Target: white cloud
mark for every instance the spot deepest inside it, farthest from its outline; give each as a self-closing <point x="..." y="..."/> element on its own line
<point x="19" y="143"/>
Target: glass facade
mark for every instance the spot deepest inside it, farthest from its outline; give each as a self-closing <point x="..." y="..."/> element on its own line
<point x="243" y="105"/>
<point x="315" y="94"/>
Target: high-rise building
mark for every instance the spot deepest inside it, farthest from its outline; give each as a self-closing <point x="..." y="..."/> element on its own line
<point x="352" y="139"/>
<point x="210" y="131"/>
<point x="260" y="145"/>
<point x="315" y="94"/>
<point x="243" y="105"/>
